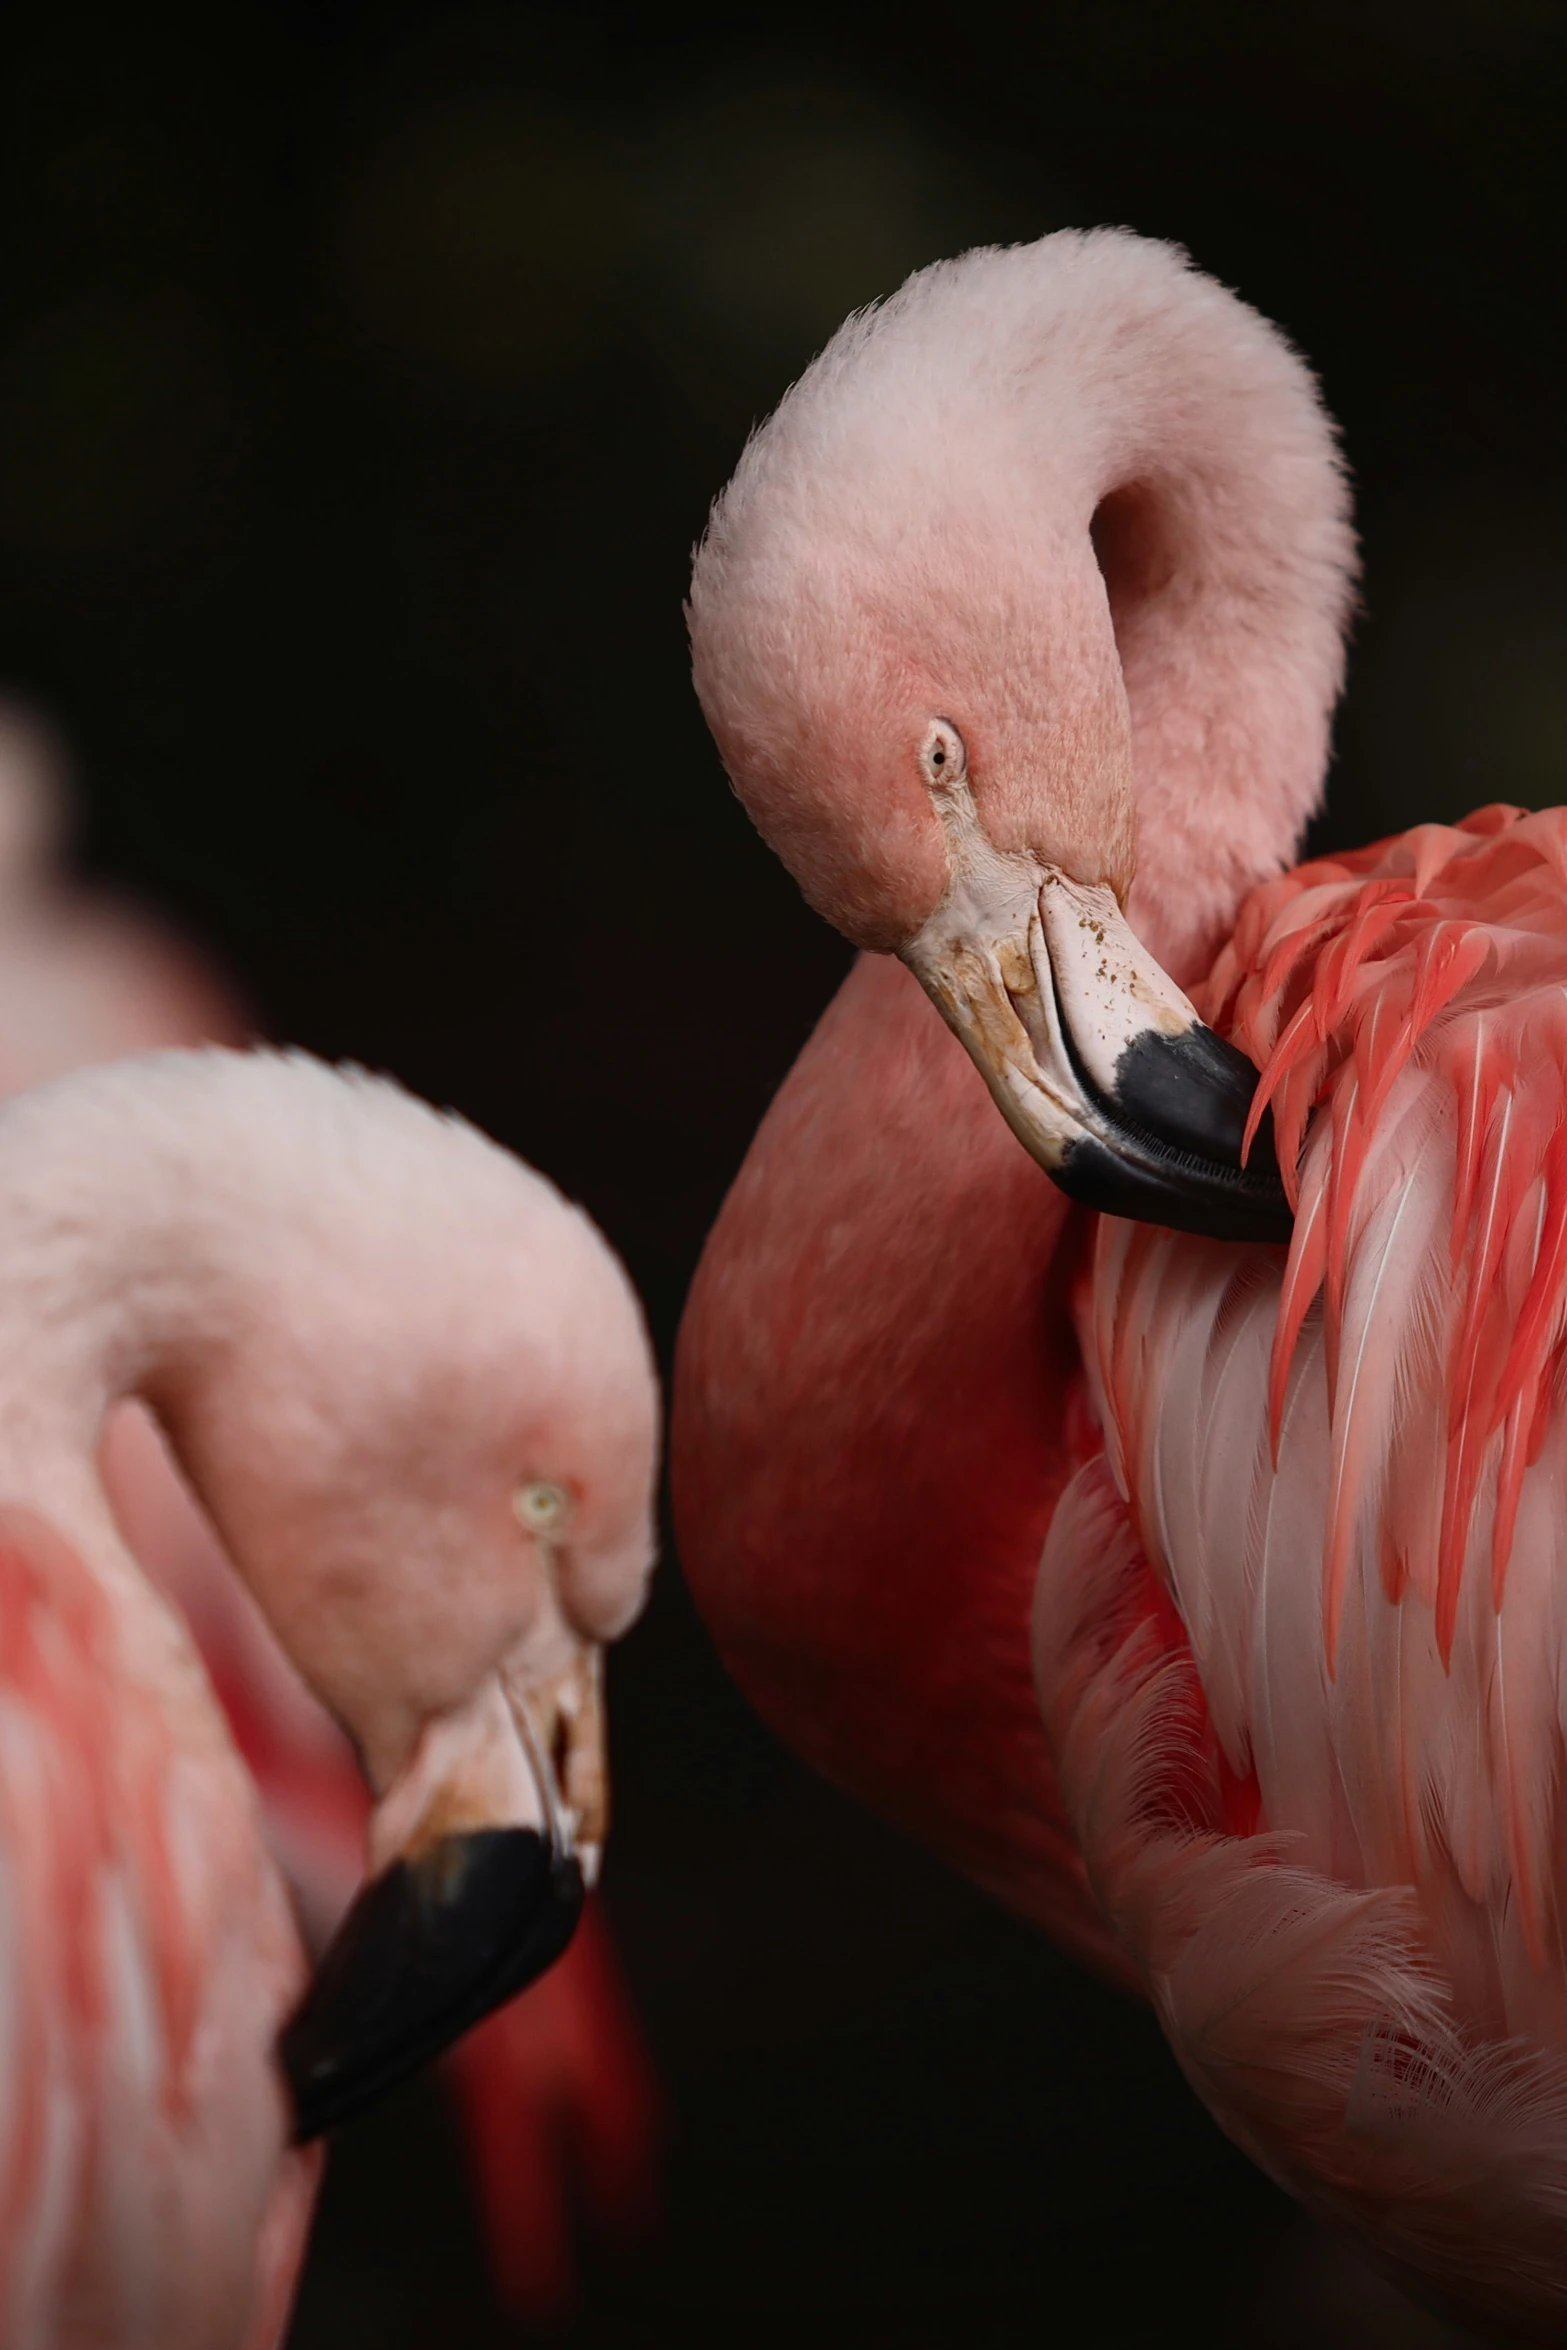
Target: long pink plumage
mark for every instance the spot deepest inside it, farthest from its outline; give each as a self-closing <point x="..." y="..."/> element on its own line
<point x="1445" y="1320"/>
<point x="1346" y="1471"/>
<point x="1447" y="954"/>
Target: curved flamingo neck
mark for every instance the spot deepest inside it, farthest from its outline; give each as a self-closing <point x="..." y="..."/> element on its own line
<point x="870" y="1429"/>
<point x="113" y="1268"/>
<point x="105" y="1287"/>
<point x="1230" y="689"/>
<point x="1184" y="483"/>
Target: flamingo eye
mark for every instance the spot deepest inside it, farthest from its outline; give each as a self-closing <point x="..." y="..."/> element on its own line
<point x="540" y="1506"/>
<point x="943" y="756"/>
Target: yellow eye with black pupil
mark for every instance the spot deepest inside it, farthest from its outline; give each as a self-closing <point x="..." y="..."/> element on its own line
<point x="540" y="1506"/>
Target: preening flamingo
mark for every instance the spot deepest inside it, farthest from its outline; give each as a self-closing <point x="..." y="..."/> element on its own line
<point x="411" y="1386"/>
<point x="556" y="2088"/>
<point x="1019" y="629"/>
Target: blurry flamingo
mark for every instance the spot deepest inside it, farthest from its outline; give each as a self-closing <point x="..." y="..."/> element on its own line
<point x="83" y="977"/>
<point x="1026" y="608"/>
<point x="412" y="1386"/>
<point x="556" y="2087"/>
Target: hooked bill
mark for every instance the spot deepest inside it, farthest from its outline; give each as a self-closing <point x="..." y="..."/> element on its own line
<point x="1094" y="1056"/>
<point x="494" y="1831"/>
<point x="428" y="1949"/>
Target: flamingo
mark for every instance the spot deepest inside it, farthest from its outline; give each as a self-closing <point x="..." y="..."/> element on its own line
<point x="412" y="1388"/>
<point x="556" y="2089"/>
<point x="1178" y="1547"/>
<point x="83" y="977"/>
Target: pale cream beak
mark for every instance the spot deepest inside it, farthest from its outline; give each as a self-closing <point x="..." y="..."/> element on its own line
<point x="1095" y="1058"/>
<point x="528" y="1750"/>
<point x="560" y="1721"/>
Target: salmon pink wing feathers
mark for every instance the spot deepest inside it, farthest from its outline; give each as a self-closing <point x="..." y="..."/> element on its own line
<point x="1322" y="1565"/>
<point x="123" y="1968"/>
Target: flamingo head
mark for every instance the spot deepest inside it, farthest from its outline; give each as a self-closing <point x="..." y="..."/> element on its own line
<point x="430" y="1441"/>
<point x="903" y="643"/>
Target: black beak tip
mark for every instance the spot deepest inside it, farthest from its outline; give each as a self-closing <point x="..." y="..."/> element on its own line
<point x="428" y="1948"/>
<point x="1179" y="1109"/>
<point x="1193" y="1091"/>
<point x="1210" y="1207"/>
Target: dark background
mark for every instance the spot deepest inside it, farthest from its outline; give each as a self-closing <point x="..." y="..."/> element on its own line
<point x="364" y="374"/>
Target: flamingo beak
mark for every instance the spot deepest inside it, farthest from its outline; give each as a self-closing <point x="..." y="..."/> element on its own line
<point x="1095" y="1058"/>
<point x="482" y="1849"/>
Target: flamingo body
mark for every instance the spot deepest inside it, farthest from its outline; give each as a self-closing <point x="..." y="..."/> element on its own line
<point x="560" y="2104"/>
<point x="1019" y="629"/>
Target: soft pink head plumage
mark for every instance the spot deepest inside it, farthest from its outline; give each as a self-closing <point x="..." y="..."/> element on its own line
<point x="375" y="1327"/>
<point x="1077" y="500"/>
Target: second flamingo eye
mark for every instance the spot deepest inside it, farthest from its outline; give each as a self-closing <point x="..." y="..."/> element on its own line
<point x="540" y="1506"/>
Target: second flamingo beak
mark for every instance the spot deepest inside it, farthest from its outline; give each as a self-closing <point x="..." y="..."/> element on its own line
<point x="1095" y="1058"/>
<point x="481" y="1851"/>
